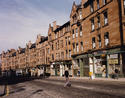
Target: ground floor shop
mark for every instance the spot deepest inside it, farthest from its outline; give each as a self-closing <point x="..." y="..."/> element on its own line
<point x="103" y="64"/>
<point x="58" y="68"/>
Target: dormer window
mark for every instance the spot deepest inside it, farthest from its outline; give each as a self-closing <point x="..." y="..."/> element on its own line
<point x="56" y="35"/>
<point x="74" y="19"/>
<point x="80" y="14"/>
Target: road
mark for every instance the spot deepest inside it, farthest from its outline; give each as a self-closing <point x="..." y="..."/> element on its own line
<point x="54" y="88"/>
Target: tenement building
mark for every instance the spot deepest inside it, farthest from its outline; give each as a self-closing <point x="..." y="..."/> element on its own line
<point x="93" y="40"/>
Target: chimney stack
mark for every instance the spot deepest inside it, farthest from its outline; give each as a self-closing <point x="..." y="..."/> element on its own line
<point x="54" y="25"/>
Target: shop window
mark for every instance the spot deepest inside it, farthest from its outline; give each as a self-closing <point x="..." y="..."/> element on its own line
<point x="92" y="24"/>
<point x="80" y="30"/>
<point x="105" y="18"/>
<point x="77" y="47"/>
<point x="99" y="40"/>
<point x="73" y="34"/>
<point x="98" y="6"/>
<point x="76" y="32"/>
<point x="93" y="43"/>
<point x="98" y="19"/>
<point x="106" y="38"/>
<point x="92" y="7"/>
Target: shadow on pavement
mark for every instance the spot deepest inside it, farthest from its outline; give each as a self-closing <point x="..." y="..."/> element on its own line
<point x="16" y="80"/>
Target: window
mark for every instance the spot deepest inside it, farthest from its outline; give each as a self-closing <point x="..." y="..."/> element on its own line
<point x="92" y="7"/>
<point x="106" y="38"/>
<point x="61" y="43"/>
<point x="73" y="34"/>
<point x="52" y="56"/>
<point x="105" y="18"/>
<point x="98" y="4"/>
<point x="92" y="24"/>
<point x="77" y="47"/>
<point x="69" y="40"/>
<point x="74" y="19"/>
<point x="76" y="32"/>
<point x="52" y="46"/>
<point x="124" y="6"/>
<point x="93" y="42"/>
<point x="66" y="54"/>
<point x="80" y="30"/>
<point x="99" y="40"/>
<point x="62" y="55"/>
<point x="73" y="47"/>
<point x="99" y="25"/>
<point x="66" y="40"/>
<point x="69" y="53"/>
<point x="80" y="14"/>
<point x="81" y="46"/>
<point x="56" y="35"/>
<point x="104" y="2"/>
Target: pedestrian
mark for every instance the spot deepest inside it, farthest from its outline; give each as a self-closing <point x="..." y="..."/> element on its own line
<point x="116" y="73"/>
<point x="67" y="79"/>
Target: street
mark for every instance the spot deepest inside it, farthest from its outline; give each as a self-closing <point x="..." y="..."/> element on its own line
<point x="54" y="88"/>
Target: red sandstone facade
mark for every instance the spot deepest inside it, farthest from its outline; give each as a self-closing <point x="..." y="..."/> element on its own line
<point x="93" y="40"/>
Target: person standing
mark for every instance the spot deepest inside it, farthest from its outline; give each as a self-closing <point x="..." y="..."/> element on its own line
<point x="67" y="78"/>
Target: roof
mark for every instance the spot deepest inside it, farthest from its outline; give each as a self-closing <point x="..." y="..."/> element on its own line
<point x="43" y="39"/>
<point x="33" y="46"/>
<point x="61" y="27"/>
<point x="22" y="51"/>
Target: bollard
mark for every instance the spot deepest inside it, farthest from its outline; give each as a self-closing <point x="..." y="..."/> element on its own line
<point x="7" y="90"/>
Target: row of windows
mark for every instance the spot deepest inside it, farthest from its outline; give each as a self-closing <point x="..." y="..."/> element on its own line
<point x="98" y="21"/>
<point x="75" y="32"/>
<point x="106" y="40"/>
<point x="76" y="47"/>
<point x="98" y="4"/>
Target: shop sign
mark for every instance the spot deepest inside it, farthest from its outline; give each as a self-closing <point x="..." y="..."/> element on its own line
<point x="114" y="56"/>
<point x="113" y="61"/>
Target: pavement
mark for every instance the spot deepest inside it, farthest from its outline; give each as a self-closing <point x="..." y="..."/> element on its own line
<point x="87" y="78"/>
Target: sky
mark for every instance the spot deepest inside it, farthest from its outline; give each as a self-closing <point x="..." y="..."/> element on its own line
<point x="22" y="20"/>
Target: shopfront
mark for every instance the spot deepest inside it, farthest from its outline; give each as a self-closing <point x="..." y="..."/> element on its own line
<point x="81" y="66"/>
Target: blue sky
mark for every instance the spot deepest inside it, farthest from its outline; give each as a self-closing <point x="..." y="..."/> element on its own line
<point x="22" y="20"/>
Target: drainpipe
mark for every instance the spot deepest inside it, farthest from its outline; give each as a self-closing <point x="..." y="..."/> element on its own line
<point x="121" y="35"/>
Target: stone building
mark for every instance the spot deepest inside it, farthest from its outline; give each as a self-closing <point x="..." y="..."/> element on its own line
<point x="93" y="40"/>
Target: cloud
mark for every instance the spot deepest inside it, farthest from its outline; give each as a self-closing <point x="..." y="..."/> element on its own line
<point x="23" y="21"/>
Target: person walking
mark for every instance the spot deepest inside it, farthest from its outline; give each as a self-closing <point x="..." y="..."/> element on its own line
<point x="67" y="79"/>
